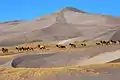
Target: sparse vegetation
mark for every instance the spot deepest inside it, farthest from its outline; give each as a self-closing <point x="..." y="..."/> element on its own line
<point x="52" y="47"/>
<point x="22" y="73"/>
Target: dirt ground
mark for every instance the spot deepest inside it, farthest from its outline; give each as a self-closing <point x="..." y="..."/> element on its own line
<point x="93" y="72"/>
<point x="59" y="64"/>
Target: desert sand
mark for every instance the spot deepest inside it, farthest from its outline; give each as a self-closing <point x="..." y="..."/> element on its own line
<point x="91" y="62"/>
<point x="68" y="23"/>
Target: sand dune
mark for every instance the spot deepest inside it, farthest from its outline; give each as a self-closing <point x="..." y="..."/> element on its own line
<point x="64" y="26"/>
<point x="68" y="23"/>
<point x="85" y="56"/>
<point x="102" y="58"/>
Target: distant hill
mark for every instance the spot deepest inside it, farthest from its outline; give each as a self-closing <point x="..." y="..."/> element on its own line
<point x="68" y="23"/>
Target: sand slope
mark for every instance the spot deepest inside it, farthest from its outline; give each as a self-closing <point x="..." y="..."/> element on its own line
<point x="68" y="23"/>
<point x="102" y="58"/>
<point x="84" y="56"/>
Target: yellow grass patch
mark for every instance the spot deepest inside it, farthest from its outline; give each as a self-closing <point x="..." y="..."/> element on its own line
<point x="19" y="73"/>
<point x="50" y="48"/>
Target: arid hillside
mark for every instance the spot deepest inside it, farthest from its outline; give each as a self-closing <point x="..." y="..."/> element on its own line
<point x="68" y="23"/>
<point x="93" y="72"/>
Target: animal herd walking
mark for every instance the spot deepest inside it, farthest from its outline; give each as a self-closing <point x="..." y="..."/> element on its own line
<point x="24" y="48"/>
<point x="19" y="49"/>
<point x="42" y="47"/>
<point x="30" y="48"/>
<point x="108" y="42"/>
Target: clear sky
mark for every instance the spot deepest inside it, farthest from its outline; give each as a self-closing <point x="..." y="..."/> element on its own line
<point x="30" y="9"/>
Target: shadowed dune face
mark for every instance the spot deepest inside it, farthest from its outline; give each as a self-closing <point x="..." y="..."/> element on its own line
<point x="63" y="58"/>
<point x="66" y="24"/>
<point x="29" y="58"/>
<point x="47" y="60"/>
<point x="115" y="61"/>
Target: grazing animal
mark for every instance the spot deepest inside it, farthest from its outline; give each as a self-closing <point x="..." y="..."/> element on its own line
<point x="4" y="50"/>
<point x="104" y="42"/>
<point x="60" y="46"/>
<point x="19" y="49"/>
<point x="114" y="42"/>
<point x="83" y="44"/>
<point x="28" y="48"/>
<point x="31" y="49"/>
<point x="42" y="47"/>
<point x="24" y="48"/>
<point x="72" y="45"/>
<point x="101" y="41"/>
<point x="57" y="46"/>
<point x="98" y="44"/>
<point x="38" y="46"/>
<point x="107" y="43"/>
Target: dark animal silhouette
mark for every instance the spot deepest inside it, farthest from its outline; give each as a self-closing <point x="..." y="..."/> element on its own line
<point x="72" y="45"/>
<point x="83" y="44"/>
<point x="19" y="49"/>
<point x="98" y="44"/>
<point x="114" y="42"/>
<point x="41" y="46"/>
<point x="60" y="46"/>
<point x="38" y="46"/>
<point x="24" y="48"/>
<point x="4" y="50"/>
<point x="31" y="49"/>
<point x="105" y="42"/>
<point x="102" y="42"/>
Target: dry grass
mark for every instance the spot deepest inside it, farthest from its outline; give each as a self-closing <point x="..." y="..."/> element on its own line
<point x="22" y="73"/>
<point x="50" y="48"/>
<point x="89" y="43"/>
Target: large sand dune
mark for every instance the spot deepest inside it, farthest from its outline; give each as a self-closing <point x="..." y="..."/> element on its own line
<point x="68" y="23"/>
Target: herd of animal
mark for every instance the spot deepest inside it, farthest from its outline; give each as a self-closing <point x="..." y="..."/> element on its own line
<point x="19" y="49"/>
<point x="5" y="50"/>
<point x="108" y="42"/>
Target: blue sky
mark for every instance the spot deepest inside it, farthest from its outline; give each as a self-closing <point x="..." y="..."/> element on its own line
<point x="30" y="9"/>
